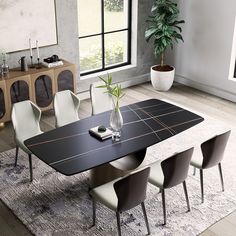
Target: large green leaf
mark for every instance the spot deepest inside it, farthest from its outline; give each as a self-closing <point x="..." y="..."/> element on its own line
<point x="150" y="32"/>
<point x="162" y="25"/>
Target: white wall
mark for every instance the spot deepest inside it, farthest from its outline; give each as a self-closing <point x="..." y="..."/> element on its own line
<point x="203" y="60"/>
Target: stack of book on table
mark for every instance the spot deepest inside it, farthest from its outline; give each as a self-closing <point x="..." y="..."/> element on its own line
<point x="100" y="135"/>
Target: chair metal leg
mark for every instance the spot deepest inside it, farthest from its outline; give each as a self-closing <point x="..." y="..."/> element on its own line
<point x="163" y="205"/>
<point x="31" y="169"/>
<point x="221" y="177"/>
<point x="186" y="195"/>
<point x="194" y="170"/>
<point x="201" y="181"/>
<point x="16" y="157"/>
<point x="118" y="223"/>
<point x="145" y="217"/>
<point x="94" y="212"/>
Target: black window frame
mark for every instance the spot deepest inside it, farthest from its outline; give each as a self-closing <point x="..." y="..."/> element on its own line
<point x="103" y="33"/>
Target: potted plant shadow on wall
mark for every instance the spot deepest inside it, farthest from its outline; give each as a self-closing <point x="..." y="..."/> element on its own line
<point x="164" y="28"/>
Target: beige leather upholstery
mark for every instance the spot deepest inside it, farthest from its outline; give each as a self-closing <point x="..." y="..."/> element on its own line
<point x="106" y="195"/>
<point x="197" y="158"/>
<point x="156" y="176"/>
<point x="66" y="105"/>
<point x="101" y="101"/>
<point x="25" y="119"/>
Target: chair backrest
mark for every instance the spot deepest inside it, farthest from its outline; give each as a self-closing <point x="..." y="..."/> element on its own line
<point x="66" y="106"/>
<point x="25" y="118"/>
<point x="175" y="168"/>
<point x="213" y="150"/>
<point x="101" y="101"/>
<point x="131" y="190"/>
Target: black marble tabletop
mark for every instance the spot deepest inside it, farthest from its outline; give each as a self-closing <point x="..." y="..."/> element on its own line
<point x="71" y="149"/>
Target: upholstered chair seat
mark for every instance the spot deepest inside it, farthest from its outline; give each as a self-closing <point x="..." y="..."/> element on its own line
<point x="110" y="198"/>
<point x="156" y="175"/>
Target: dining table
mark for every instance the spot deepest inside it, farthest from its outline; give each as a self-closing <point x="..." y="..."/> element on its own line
<point x="71" y="149"/>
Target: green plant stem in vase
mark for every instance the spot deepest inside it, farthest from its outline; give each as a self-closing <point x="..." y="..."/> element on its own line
<point x="116" y="120"/>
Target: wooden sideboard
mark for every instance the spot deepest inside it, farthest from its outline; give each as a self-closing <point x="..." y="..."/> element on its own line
<point x="37" y="85"/>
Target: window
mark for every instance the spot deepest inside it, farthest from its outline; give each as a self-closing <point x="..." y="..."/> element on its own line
<point x="232" y="69"/>
<point x="104" y="34"/>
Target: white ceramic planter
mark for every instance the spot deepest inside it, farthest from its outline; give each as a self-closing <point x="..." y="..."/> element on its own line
<point x="162" y="80"/>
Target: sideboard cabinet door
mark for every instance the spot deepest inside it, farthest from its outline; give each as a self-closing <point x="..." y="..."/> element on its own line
<point x="4" y="105"/>
<point x="43" y="89"/>
<point x="66" y="78"/>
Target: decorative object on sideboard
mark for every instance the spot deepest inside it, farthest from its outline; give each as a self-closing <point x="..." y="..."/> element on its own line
<point x="31" y="55"/>
<point x="116" y="120"/>
<point x="4" y="66"/>
<point x="38" y="55"/>
<point x="163" y="27"/>
<point x="23" y="64"/>
<point x="52" y="61"/>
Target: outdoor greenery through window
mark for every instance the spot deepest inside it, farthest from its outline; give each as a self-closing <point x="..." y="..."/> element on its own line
<point x="104" y="34"/>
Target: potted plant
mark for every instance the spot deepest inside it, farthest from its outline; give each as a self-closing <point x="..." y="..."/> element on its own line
<point x="163" y="28"/>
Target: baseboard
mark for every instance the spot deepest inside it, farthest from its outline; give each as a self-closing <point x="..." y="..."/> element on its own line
<point x="125" y="84"/>
<point x="206" y="88"/>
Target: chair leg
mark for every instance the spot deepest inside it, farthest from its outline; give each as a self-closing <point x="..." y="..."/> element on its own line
<point x="94" y="212"/>
<point x="201" y="181"/>
<point x="145" y="217"/>
<point x="194" y="170"/>
<point x="118" y="223"/>
<point x="31" y="169"/>
<point x="163" y="205"/>
<point x="186" y="195"/>
<point x="221" y="177"/>
<point x="16" y="157"/>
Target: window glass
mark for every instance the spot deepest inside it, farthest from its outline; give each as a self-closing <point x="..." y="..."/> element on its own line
<point x="104" y="34"/>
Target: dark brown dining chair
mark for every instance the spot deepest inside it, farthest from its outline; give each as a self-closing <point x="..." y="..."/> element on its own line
<point x="123" y="194"/>
<point x="171" y="172"/>
<point x="212" y="155"/>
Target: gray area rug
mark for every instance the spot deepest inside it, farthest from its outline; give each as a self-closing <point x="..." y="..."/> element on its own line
<point x="58" y="205"/>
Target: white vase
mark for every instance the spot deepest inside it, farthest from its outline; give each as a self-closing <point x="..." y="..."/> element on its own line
<point x="116" y="123"/>
<point x="162" y="80"/>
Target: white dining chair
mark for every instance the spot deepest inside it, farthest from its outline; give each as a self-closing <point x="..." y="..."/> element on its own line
<point x="25" y="119"/>
<point x="101" y="101"/>
<point x="66" y="106"/>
